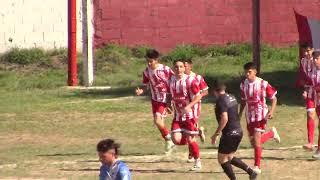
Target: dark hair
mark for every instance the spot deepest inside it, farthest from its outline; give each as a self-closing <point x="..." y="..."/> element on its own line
<point x="152" y="54"/>
<point x="178" y="60"/>
<point x="316" y="53"/>
<point x="306" y="45"/>
<point x="107" y="144"/>
<point x="188" y="60"/>
<point x="219" y="86"/>
<point x="249" y="65"/>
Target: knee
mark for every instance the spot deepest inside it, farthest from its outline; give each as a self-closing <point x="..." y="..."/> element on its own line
<point x="311" y="114"/>
<point x="176" y="139"/>
<point x="191" y="139"/>
<point x="157" y="120"/>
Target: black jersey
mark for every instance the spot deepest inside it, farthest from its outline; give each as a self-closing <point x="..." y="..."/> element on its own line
<point x="228" y="103"/>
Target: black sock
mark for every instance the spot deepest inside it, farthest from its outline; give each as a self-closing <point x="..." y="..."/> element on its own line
<point x="227" y="168"/>
<point x="240" y="164"/>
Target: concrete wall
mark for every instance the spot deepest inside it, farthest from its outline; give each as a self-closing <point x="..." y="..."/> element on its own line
<point x="166" y="23"/>
<point x="36" y="23"/>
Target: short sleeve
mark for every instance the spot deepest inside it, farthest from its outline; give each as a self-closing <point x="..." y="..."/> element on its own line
<point x="145" y="78"/>
<point x="124" y="174"/>
<point x="270" y="91"/>
<point x="195" y="89"/>
<point x="222" y="106"/>
<point x="243" y="97"/>
<point x="203" y="85"/>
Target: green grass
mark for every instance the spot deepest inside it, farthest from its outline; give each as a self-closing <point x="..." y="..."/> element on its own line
<point x="50" y="132"/>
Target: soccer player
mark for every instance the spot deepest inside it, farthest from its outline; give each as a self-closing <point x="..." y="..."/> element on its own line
<point x="111" y="168"/>
<point x="254" y="91"/>
<point x="314" y="81"/>
<point x="185" y="94"/>
<point x="155" y="77"/>
<point x="229" y="126"/>
<point x="197" y="107"/>
<point x="306" y="66"/>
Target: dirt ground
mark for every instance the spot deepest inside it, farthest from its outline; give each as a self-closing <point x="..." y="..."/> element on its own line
<point x="285" y="163"/>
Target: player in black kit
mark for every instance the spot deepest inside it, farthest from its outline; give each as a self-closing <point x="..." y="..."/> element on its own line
<point x="230" y="130"/>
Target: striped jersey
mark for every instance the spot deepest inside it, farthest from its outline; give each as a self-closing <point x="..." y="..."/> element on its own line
<point x="203" y="87"/>
<point x="314" y="82"/>
<point x="158" y="82"/>
<point x="307" y="66"/>
<point x="254" y="94"/>
<point x="183" y="91"/>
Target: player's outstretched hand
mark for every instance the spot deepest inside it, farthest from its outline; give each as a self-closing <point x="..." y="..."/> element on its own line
<point x="139" y="91"/>
<point x="270" y="115"/>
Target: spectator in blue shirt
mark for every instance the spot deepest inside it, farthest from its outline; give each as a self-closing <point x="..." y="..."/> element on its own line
<point x="111" y="168"/>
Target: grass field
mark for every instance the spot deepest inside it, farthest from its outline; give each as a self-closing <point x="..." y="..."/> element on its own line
<point x="50" y="132"/>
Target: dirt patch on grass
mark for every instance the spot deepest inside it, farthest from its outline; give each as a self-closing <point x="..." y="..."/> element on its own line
<point x="283" y="163"/>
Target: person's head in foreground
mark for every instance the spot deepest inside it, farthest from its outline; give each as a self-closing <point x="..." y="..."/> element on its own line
<point x="108" y="151"/>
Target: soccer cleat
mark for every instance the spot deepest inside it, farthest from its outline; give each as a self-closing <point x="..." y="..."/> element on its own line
<point x="253" y="176"/>
<point x="201" y="134"/>
<point x="276" y="136"/>
<point x="308" y="147"/>
<point x="316" y="155"/>
<point x="256" y="169"/>
<point x="197" y="165"/>
<point x="169" y="146"/>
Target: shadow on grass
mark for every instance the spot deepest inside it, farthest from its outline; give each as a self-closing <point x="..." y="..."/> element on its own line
<point x="62" y="154"/>
<point x="283" y="81"/>
<point x="283" y="158"/>
<point x="103" y="94"/>
<point x="153" y="171"/>
<point x="216" y="147"/>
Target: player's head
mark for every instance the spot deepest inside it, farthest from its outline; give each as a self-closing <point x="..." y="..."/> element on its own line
<point x="108" y="151"/>
<point x="218" y="88"/>
<point x="250" y="71"/>
<point x="152" y="58"/>
<point x="188" y="65"/>
<point x="316" y="57"/>
<point x="307" y="50"/>
<point x="178" y="68"/>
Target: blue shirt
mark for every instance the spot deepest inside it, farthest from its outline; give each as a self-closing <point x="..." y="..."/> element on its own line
<point x="118" y="171"/>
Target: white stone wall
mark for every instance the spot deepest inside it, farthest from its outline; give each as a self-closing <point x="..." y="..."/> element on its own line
<point x="36" y="23"/>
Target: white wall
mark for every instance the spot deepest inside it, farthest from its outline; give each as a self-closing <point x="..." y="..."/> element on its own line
<point x="36" y="23"/>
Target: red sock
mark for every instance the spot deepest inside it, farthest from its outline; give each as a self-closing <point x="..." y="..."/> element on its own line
<point x="190" y="151"/>
<point x="266" y="136"/>
<point x="310" y="127"/>
<point x="257" y="156"/>
<point x="164" y="132"/>
<point x="194" y="149"/>
<point x="183" y="140"/>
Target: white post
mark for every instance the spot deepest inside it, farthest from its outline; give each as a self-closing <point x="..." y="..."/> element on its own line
<point x="87" y="35"/>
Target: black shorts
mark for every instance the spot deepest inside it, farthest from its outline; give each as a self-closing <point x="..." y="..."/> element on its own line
<point x="229" y="142"/>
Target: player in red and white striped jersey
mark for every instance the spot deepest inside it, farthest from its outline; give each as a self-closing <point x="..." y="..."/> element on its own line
<point x="197" y="107"/>
<point x="314" y="81"/>
<point x="185" y="94"/>
<point x="156" y="77"/>
<point x="254" y="92"/>
<point x="306" y="67"/>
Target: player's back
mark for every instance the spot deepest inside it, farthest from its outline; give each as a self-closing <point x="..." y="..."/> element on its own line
<point x="228" y="103"/>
